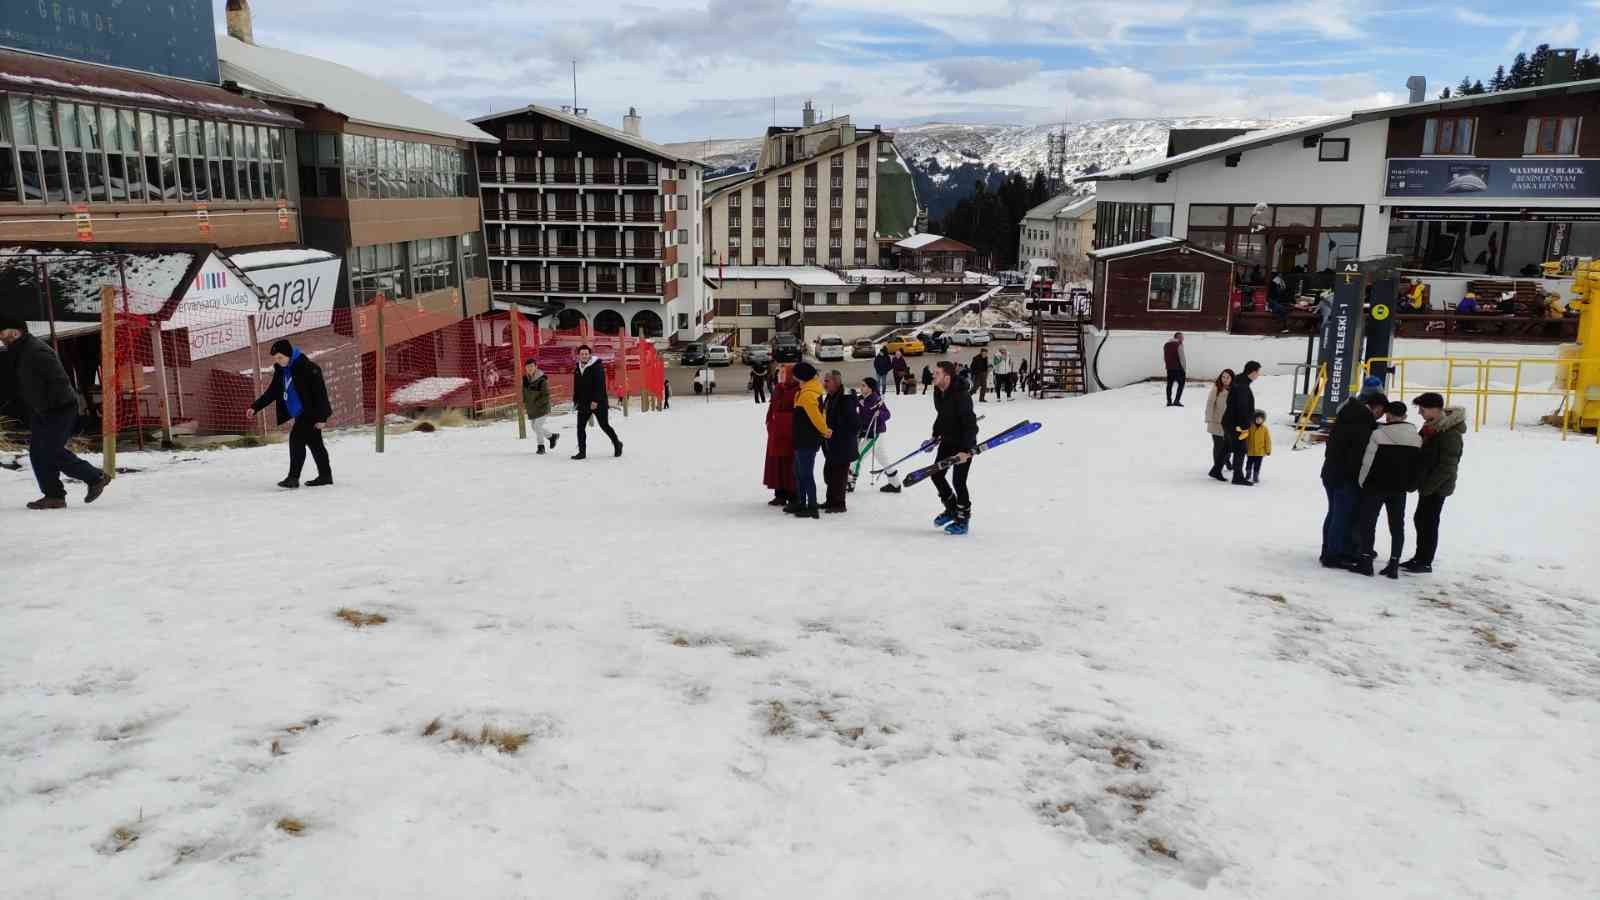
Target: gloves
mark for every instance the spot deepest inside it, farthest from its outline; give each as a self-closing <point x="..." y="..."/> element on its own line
<point x="1242" y="433"/>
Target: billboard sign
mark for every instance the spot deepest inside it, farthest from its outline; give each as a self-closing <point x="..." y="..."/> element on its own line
<point x="163" y="37"/>
<point x="291" y="299"/>
<point x="1342" y="336"/>
<point x="1468" y="178"/>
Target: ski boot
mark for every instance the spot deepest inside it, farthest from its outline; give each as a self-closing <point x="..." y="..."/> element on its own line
<point x="959" y="524"/>
<point x="946" y="517"/>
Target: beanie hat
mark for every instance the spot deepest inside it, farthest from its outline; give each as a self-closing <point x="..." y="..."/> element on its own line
<point x="871" y="382"/>
<point x="804" y="371"/>
<point x="1371" y="384"/>
<point x="8" y="321"/>
<point x="281" y="347"/>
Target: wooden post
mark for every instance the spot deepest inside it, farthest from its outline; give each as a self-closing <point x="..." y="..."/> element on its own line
<point x="255" y="367"/>
<point x="380" y="402"/>
<point x="160" y="356"/>
<point x="516" y="356"/>
<point x="108" y="380"/>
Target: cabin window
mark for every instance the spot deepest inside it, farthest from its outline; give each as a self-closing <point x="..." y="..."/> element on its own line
<point x="1175" y="291"/>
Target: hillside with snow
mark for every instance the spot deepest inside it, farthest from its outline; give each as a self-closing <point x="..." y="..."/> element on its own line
<point x="947" y="158"/>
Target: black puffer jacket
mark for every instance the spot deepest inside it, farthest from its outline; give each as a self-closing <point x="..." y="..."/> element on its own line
<point x="41" y="381"/>
<point x="589" y="384"/>
<point x="842" y="413"/>
<point x="956" y="426"/>
<point x="1347" y="443"/>
<point x="1241" y="409"/>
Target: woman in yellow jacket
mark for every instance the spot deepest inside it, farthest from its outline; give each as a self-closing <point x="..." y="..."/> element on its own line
<point x="1257" y="443"/>
<point x="810" y="430"/>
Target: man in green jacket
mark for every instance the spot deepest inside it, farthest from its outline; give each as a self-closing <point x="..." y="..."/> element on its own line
<point x="1436" y="474"/>
<point x="536" y="402"/>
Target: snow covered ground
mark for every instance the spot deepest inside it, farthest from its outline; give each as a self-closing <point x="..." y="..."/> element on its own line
<point x="1128" y="681"/>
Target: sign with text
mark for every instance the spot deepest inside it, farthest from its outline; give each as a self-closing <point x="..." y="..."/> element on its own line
<point x="292" y="299"/>
<point x="1341" y="336"/>
<point x="163" y="37"/>
<point x="1530" y="178"/>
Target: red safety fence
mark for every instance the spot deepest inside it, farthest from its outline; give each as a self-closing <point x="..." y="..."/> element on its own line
<point x="202" y="373"/>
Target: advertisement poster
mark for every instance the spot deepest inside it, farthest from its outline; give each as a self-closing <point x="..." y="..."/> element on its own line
<point x="163" y="37"/>
<point x="216" y="307"/>
<point x="1530" y="178"/>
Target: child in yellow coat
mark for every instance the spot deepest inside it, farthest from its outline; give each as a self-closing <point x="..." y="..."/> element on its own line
<point x="1257" y="443"/>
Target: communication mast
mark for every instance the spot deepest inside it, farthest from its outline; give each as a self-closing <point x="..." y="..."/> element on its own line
<point x="1055" y="167"/>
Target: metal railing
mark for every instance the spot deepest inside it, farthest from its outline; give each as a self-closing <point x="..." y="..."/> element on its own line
<point x="620" y="179"/>
<point x="573" y="215"/>
<point x="622" y="254"/>
<point x="1483" y="388"/>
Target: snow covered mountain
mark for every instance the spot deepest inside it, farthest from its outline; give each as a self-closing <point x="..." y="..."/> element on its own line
<point x="947" y="158"/>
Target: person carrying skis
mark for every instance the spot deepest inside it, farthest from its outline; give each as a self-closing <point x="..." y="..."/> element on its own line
<point x="589" y="398"/>
<point x="536" y="402"/>
<point x="874" y="415"/>
<point x="839" y="450"/>
<point x="299" y="393"/>
<point x="52" y="416"/>
<point x="955" y="427"/>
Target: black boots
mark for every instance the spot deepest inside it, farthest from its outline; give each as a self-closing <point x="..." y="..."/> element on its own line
<point x="289" y="483"/>
<point x="96" y="489"/>
<point x="1392" y="570"/>
<point x="320" y="481"/>
<point x="1416" y="568"/>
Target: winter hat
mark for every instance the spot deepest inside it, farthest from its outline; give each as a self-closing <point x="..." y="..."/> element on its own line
<point x="871" y="382"/>
<point x="1372" y="384"/>
<point x="281" y="347"/>
<point x="804" y="371"/>
<point x="8" y="322"/>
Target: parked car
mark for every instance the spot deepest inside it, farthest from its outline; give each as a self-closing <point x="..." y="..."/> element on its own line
<point x="786" y="347"/>
<point x="909" y="344"/>
<point x="752" y="354"/>
<point x="718" y="355"/>
<point x="863" y="348"/>
<point x="936" y="342"/>
<point x="830" y="348"/>
<point x="1004" y="332"/>
<point x="705" y="381"/>
<point x="694" y="353"/>
<point x="969" y="337"/>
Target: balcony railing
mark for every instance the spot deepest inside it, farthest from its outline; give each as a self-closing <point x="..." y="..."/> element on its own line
<point x="573" y="251"/>
<point x="622" y="216"/>
<point x="623" y="179"/>
<point x="577" y="286"/>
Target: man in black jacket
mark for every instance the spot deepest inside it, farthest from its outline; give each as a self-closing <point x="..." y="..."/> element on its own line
<point x="955" y="427"/>
<point x="758" y="381"/>
<point x="839" y="450"/>
<point x="980" y="375"/>
<point x="1341" y="474"/>
<point x="299" y="393"/>
<point x="1388" y="473"/>
<point x="1238" y="416"/>
<point x="589" y="398"/>
<point x="52" y="416"/>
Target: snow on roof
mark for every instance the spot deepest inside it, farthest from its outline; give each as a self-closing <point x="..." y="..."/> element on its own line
<point x="801" y="275"/>
<point x="1077" y="208"/>
<point x="427" y="390"/>
<point x="1135" y="247"/>
<point x="65" y="77"/>
<point x="918" y="240"/>
<point x="1050" y="207"/>
<point x="352" y="94"/>
<point x="154" y="275"/>
<point x="592" y="125"/>
<point x="1243" y="142"/>
<point x="63" y="329"/>
<point x="261" y="259"/>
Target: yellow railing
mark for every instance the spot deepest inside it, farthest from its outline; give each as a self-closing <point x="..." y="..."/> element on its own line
<point x="1310" y="408"/>
<point x="1483" y="386"/>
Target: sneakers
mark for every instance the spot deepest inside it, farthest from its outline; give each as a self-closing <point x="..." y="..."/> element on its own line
<point x="96" y="489"/>
<point x="944" y="518"/>
<point x="889" y="489"/>
<point x="320" y="481"/>
<point x="553" y="440"/>
<point x="49" y="503"/>
<point x="289" y="483"/>
<point x="580" y="455"/>
<point x="1392" y="570"/>
<point x="1415" y="568"/>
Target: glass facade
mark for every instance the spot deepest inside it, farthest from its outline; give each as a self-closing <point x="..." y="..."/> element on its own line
<point x="411" y="268"/>
<point x="1127" y="223"/>
<point x="380" y="168"/>
<point x="1287" y="239"/>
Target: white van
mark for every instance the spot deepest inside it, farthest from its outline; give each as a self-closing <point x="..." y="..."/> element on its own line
<point x="830" y="347"/>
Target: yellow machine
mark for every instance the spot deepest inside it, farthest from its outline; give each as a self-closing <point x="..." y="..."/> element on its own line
<point x="1586" y="300"/>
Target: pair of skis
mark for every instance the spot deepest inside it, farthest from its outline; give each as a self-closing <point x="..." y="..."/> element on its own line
<point x="1019" y="430"/>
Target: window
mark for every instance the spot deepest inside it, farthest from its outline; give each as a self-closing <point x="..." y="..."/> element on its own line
<point x="1341" y="217"/>
<point x="1333" y="150"/>
<point x="783" y="241"/>
<point x="683" y="235"/>
<point x="759" y="201"/>
<point x="861" y="183"/>
<point x="861" y="203"/>
<point x="1207" y="216"/>
<point x="810" y="243"/>
<point x="783" y="201"/>
<point x="734" y="242"/>
<point x="783" y="182"/>
<point x="902" y="317"/>
<point x="760" y="241"/>
<point x="811" y="222"/>
<point x="378" y="269"/>
<point x="834" y="243"/>
<point x="819" y="299"/>
<point x="1448" y="136"/>
<point x="683" y="270"/>
<point x="472" y="256"/>
<point x="838" y="202"/>
<point x="1294" y="217"/>
<point x="683" y="201"/>
<point x="433" y="265"/>
<point x="735" y="221"/>
<point x="861" y="243"/>
<point x="735" y="201"/>
<point x="521" y="131"/>
<point x="556" y="131"/>
<point x="838" y="182"/>
<point x="838" y="161"/>
<point x="1551" y="136"/>
<point x="1175" y="292"/>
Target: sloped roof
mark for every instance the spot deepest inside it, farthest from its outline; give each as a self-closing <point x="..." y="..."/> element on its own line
<point x="1156" y="245"/>
<point x="1077" y="208"/>
<point x="934" y="242"/>
<point x="806" y="276"/>
<point x="1050" y="207"/>
<point x="361" y="98"/>
<point x="588" y="124"/>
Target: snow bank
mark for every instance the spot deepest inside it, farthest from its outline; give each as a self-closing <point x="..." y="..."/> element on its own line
<point x="261" y="259"/>
<point x="427" y="390"/>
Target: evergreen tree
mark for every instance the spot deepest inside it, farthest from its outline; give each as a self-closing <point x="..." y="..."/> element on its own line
<point x="1465" y="87"/>
<point x="1444" y="94"/>
<point x="1477" y="87"/>
<point x="1536" y="64"/>
<point x="1588" y="65"/>
<point x="1518" y="76"/>
<point x="1498" y="81"/>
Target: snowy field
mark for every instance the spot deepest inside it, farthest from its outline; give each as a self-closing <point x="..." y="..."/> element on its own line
<point x="1128" y="681"/>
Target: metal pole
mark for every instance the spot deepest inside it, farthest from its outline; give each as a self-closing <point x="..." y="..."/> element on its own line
<point x="380" y="407"/>
<point x="108" y="380"/>
<point x="516" y="355"/>
<point x="1516" y="390"/>
<point x="160" y="356"/>
<point x="255" y="368"/>
<point x="49" y="307"/>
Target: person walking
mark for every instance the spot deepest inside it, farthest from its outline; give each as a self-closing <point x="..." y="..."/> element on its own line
<point x="874" y="416"/>
<point x="810" y="430"/>
<point x="1341" y="473"/>
<point x="1257" y="446"/>
<point x="299" y="393"/>
<point x="1216" y="405"/>
<point x="927" y="378"/>
<point x="536" y="403"/>
<point x="52" y="404"/>
<point x="955" y="427"/>
<point x="980" y="374"/>
<point x="1002" y="374"/>
<point x="883" y="364"/>
<point x="1177" y="368"/>
<point x="1443" y="439"/>
<point x="1237" y="417"/>
<point x="1022" y="374"/>
<point x="901" y="371"/>
<point x="590" y="399"/>
<point x="839" y="449"/>
<point x="758" y="381"/>
<point x="1388" y="471"/>
<point x="778" y="474"/>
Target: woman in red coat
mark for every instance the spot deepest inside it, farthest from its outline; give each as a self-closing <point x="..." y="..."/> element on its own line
<point x="779" y="474"/>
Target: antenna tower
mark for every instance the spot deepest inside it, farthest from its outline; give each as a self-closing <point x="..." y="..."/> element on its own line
<point x="1055" y="167"/>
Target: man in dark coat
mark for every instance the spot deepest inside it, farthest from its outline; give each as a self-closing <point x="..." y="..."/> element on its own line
<point x="52" y="404"/>
<point x="955" y="427"/>
<point x="758" y="381"/>
<point x="1238" y="416"/>
<point x="900" y="370"/>
<point x="1388" y="473"/>
<point x="882" y="364"/>
<point x="299" y="393"/>
<point x="1177" y="370"/>
<point x="840" y="410"/>
<point x="1443" y="439"/>
<point x="1341" y="472"/>
<point x="589" y="398"/>
<point x="980" y="375"/>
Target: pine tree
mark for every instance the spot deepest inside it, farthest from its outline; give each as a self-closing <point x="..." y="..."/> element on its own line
<point x="1465" y="87"/>
<point x="1588" y="65"/>
<point x="1444" y="94"/>
<point x="1498" y="81"/>
<point x="1478" y="88"/>
<point x="1536" y="64"/>
<point x="1518" y="76"/>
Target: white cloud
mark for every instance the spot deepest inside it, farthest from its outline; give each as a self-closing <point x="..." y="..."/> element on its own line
<point x="981" y="73"/>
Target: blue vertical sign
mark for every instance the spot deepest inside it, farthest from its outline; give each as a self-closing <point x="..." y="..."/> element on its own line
<point x="163" y="37"/>
<point x="1341" y="337"/>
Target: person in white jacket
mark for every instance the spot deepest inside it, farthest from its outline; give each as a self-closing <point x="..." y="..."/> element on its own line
<point x="1003" y="375"/>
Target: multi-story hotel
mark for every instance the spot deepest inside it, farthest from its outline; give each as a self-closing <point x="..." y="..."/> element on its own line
<point x="594" y="224"/>
<point x="821" y="194"/>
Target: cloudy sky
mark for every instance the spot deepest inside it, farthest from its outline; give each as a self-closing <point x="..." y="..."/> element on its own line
<point x="714" y="68"/>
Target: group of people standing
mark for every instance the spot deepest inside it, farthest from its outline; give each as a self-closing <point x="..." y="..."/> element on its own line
<point x="896" y="370"/>
<point x="1232" y="419"/>
<point x="1005" y="375"/>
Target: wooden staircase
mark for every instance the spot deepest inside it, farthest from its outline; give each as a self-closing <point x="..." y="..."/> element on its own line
<point x="1058" y="356"/>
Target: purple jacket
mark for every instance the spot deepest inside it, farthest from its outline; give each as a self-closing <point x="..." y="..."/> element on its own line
<point x="874" y="416"/>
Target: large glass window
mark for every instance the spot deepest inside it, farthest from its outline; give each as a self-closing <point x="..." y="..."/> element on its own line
<point x="1551" y="136"/>
<point x="378" y="269"/>
<point x="1126" y="223"/>
<point x="10" y="190"/>
<point x="1448" y="136"/>
<point x="1175" y="291"/>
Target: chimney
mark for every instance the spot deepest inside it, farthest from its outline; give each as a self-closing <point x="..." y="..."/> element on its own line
<point x="808" y="115"/>
<point x="630" y="122"/>
<point x="1418" y="86"/>
<point x="1561" y="66"/>
<point x="239" y="21"/>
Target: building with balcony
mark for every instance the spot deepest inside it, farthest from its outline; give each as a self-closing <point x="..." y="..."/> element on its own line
<point x="825" y="194"/>
<point x="592" y="224"/>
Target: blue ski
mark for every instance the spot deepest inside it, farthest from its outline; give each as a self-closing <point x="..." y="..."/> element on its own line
<point x="1018" y="430"/>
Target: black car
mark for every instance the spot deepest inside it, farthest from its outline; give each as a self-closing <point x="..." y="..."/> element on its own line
<point x="785" y="347"/>
<point x="936" y="342"/>
<point x="694" y="354"/>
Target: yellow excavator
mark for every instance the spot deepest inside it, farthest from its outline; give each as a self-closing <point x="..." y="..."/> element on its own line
<point x="1585" y="376"/>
